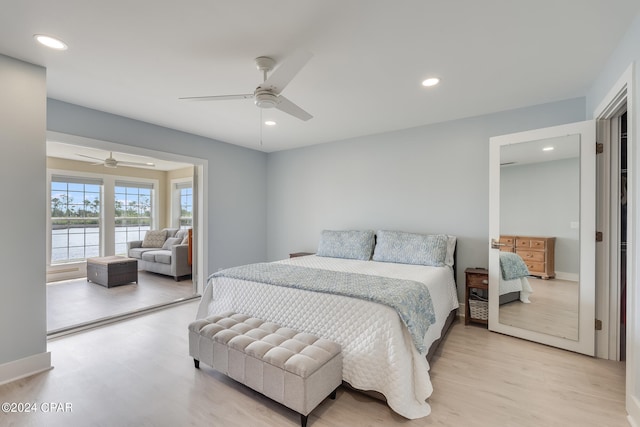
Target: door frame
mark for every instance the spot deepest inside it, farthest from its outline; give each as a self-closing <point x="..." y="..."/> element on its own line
<point x="623" y="91"/>
<point x="607" y="308"/>
<point x="200" y="272"/>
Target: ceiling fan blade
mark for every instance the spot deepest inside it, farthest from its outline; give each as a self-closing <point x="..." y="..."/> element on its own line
<point x="217" y="97"/>
<point x="290" y="108"/>
<point x="89" y="157"/>
<point x="151" y="165"/>
<point x="282" y="75"/>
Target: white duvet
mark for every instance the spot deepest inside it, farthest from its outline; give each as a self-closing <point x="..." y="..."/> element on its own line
<point x="378" y="353"/>
<point x="520" y="284"/>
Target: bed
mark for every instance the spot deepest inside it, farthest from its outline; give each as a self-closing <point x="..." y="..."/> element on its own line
<point x="514" y="284"/>
<point x="380" y="352"/>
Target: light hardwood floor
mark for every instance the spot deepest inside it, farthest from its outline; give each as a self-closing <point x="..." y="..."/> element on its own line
<point x="72" y="302"/>
<point x="138" y="373"/>
<point x="553" y="309"/>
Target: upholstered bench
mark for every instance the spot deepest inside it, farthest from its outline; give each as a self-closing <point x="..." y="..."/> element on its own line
<point x="295" y="369"/>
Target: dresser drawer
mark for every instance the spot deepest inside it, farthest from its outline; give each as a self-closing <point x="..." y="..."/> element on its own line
<point x="535" y="267"/>
<point x="477" y="279"/>
<point x="531" y="255"/>
<point x="531" y="243"/>
<point x="507" y="240"/>
<point x="537" y="244"/>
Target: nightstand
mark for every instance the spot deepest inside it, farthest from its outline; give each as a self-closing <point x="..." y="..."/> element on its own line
<point x="297" y="254"/>
<point x="478" y="279"/>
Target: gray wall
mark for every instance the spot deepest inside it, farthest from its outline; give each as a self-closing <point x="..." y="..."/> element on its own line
<point x="425" y="179"/>
<point x="627" y="52"/>
<point x="542" y="199"/>
<point x="22" y="173"/>
<point x="236" y="186"/>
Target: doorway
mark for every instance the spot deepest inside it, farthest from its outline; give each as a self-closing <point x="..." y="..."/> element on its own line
<point x="81" y="304"/>
<point x="619" y="102"/>
<point x="622" y="219"/>
<point x="620" y="169"/>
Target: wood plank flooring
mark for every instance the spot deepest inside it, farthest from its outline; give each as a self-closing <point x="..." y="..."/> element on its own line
<point x="553" y="309"/>
<point x="71" y="302"/>
<point x="138" y="373"/>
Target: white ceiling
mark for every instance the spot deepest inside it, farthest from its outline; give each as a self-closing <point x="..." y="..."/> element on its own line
<point x="80" y="153"/>
<point x="135" y="58"/>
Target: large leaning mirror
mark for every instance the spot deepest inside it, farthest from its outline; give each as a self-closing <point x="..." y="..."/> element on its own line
<point x="540" y="222"/>
<point x="542" y="233"/>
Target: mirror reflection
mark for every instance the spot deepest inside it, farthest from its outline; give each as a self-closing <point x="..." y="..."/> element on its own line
<point x="539" y="233"/>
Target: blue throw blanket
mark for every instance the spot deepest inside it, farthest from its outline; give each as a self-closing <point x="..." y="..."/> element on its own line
<point x="410" y="299"/>
<point x="512" y="266"/>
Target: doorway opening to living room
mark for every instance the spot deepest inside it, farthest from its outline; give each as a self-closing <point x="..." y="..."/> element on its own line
<point x="121" y="232"/>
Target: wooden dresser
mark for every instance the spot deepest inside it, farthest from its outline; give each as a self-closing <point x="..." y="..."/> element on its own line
<point x="537" y="252"/>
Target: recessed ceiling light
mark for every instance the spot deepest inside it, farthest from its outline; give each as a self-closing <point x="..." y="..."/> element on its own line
<point x="547" y="149"/>
<point x="51" y="42"/>
<point x="270" y="123"/>
<point x="430" y="82"/>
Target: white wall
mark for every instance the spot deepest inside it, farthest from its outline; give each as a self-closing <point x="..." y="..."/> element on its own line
<point x="425" y="179"/>
<point x="22" y="174"/>
<point x="236" y="186"/>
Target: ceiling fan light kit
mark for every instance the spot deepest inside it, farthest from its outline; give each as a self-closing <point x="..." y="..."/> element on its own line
<point x="265" y="98"/>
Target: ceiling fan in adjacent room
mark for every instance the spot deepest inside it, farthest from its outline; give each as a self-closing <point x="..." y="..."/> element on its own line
<point x="110" y="162"/>
<point x="268" y="94"/>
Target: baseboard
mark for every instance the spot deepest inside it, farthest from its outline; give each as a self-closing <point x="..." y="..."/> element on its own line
<point x="572" y="277"/>
<point x="69" y="271"/>
<point x="25" y="367"/>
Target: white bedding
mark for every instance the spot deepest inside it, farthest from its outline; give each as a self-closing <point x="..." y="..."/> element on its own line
<point x="378" y="353"/>
<point x="520" y="284"/>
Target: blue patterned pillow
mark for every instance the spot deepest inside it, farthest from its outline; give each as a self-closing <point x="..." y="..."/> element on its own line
<point x="346" y="244"/>
<point x="409" y="248"/>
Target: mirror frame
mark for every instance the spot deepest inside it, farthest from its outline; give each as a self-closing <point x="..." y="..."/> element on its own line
<point x="586" y="318"/>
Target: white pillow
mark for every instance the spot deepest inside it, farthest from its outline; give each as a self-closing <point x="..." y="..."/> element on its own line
<point x="171" y="241"/>
<point x="451" y="248"/>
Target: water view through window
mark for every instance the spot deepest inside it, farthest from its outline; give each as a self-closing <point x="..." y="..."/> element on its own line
<point x="76" y="217"/>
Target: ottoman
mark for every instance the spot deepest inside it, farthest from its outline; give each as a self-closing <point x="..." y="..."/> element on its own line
<point x="296" y="369"/>
<point x="112" y="271"/>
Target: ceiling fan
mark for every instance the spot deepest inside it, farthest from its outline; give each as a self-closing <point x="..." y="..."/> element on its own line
<point x="110" y="162"/>
<point x="267" y="94"/>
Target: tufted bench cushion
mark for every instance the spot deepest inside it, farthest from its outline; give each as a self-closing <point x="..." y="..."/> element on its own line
<point x="294" y="368"/>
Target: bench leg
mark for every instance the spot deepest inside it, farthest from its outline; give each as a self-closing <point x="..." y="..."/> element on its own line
<point x="196" y="362"/>
<point x="303" y="420"/>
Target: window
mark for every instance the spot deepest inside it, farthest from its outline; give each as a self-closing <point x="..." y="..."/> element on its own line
<point x="75" y="218"/>
<point x="132" y="212"/>
<point x="185" y="196"/>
